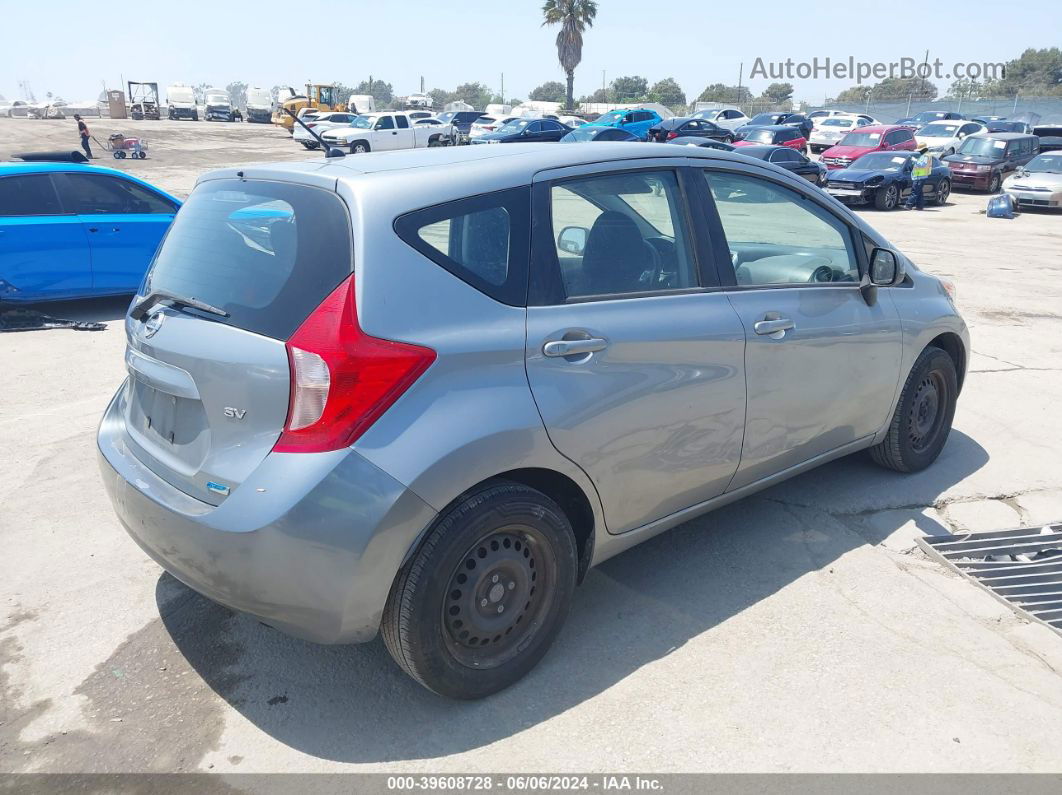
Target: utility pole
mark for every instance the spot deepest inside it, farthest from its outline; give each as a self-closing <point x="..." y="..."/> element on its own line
<point x="503" y="87"/>
<point x="422" y="84"/>
<point x="1015" y="109"/>
<point x="741" y="75"/>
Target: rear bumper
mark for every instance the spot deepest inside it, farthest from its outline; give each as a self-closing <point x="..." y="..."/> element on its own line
<point x="309" y="544"/>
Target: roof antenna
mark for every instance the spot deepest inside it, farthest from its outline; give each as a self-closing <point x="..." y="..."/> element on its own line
<point x="330" y="151"/>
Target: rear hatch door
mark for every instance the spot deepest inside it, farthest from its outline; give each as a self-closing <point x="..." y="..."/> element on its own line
<point x="208" y="393"/>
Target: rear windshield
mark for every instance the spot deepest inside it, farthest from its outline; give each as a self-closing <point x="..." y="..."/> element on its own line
<point x="266" y="252"/>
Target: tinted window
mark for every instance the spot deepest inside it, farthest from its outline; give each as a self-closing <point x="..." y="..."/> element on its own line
<point x="482" y="240"/>
<point x="385" y="123"/>
<point x="403" y="122"/>
<point x="534" y="127"/>
<point x="266" y="252"/>
<point x="551" y="126"/>
<point x="620" y="233"/>
<point x="778" y="236"/>
<point x="93" y="194"/>
<point x="32" y="194"/>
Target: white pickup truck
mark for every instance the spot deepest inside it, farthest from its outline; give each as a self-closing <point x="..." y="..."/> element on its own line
<point x="378" y="132"/>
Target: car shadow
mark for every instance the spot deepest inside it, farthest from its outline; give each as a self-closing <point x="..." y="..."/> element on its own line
<point x="353" y="704"/>
<point x="83" y="310"/>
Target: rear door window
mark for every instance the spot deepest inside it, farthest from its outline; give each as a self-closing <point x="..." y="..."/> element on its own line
<point x="95" y="194"/>
<point x="482" y="240"/>
<point x="29" y="194"/>
<point x="266" y="252"/>
<point x="618" y="234"/>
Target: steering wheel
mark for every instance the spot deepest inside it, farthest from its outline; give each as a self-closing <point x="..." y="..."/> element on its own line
<point x="821" y="274"/>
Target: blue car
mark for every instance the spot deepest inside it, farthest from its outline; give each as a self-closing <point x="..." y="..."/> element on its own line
<point x="70" y="230"/>
<point x="884" y="180"/>
<point x="636" y="121"/>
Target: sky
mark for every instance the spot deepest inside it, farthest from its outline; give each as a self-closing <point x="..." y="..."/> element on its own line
<point x="71" y="48"/>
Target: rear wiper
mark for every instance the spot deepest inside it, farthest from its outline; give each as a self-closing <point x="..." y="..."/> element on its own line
<point x="169" y="299"/>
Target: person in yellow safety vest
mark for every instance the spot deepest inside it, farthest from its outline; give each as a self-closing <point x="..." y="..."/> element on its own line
<point x="921" y="168"/>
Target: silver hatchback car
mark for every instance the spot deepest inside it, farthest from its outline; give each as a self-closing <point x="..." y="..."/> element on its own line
<point x="423" y="392"/>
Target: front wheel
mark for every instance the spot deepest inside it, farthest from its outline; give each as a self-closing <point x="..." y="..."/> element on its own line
<point x="483" y="598"/>
<point x="887" y="199"/>
<point x="359" y="148"/>
<point x="923" y="417"/>
<point x="943" y="192"/>
<point x="995" y="183"/>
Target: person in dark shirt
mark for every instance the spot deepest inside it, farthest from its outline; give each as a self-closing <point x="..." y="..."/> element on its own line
<point x="83" y="131"/>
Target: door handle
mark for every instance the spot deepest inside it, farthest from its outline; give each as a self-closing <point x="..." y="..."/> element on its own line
<point x="574" y="347"/>
<point x="773" y="327"/>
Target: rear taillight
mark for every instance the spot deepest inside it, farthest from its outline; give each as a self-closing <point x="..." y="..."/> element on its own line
<point x="672" y="134"/>
<point x="311" y="125"/>
<point x="342" y="380"/>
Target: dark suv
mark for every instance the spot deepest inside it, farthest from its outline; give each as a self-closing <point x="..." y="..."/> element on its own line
<point x="984" y="160"/>
<point x="461" y="121"/>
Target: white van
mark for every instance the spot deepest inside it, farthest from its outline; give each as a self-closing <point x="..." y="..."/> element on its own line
<point x="180" y="100"/>
<point x="361" y="104"/>
<point x="259" y="105"/>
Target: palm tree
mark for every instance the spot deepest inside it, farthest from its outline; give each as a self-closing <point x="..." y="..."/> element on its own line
<point x="574" y="17"/>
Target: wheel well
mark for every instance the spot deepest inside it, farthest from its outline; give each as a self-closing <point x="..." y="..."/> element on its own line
<point x="952" y="345"/>
<point x="570" y="497"/>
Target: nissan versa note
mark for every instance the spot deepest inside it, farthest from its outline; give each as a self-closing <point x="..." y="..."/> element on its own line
<point x="422" y="392"/>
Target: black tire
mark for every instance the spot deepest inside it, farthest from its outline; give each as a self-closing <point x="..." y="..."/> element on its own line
<point x="503" y="546"/>
<point x="995" y="183"/>
<point x="195" y="116"/>
<point x="943" y="192"/>
<point x="923" y="417"/>
<point x="887" y="199"/>
<point x="359" y="148"/>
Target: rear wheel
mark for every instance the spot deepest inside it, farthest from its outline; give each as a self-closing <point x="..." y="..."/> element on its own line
<point x="923" y="415"/>
<point x="887" y="199"/>
<point x="483" y="598"/>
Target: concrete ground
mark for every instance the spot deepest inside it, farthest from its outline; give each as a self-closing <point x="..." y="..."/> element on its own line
<point x="798" y="630"/>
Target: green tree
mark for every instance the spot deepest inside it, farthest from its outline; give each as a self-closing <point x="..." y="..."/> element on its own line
<point x="719" y="92"/>
<point x="629" y="89"/>
<point x="380" y="90"/>
<point x="667" y="92"/>
<point x="1035" y="72"/>
<point x="238" y="94"/>
<point x="551" y="91"/>
<point x="778" y="93"/>
<point x="475" y="94"/>
<point x="574" y="17"/>
<point x="601" y="95"/>
<point x="440" y="98"/>
<point x="853" y="94"/>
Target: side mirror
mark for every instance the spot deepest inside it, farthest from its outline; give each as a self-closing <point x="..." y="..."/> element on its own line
<point x="886" y="269"/>
<point x="572" y="240"/>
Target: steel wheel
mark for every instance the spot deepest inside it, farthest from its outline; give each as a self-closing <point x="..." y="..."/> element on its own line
<point x="497" y="595"/>
<point x="993" y="186"/>
<point x="926" y="415"/>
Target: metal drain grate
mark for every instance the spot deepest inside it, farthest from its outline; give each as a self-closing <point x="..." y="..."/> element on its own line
<point x="1022" y="567"/>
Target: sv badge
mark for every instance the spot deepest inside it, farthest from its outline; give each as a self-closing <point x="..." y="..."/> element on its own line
<point x="235" y="414"/>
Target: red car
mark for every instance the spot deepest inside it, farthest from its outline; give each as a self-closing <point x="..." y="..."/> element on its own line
<point x="774" y="135"/>
<point x="880" y="138"/>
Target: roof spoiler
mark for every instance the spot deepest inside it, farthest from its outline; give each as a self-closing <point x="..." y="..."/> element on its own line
<point x="57" y="156"/>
